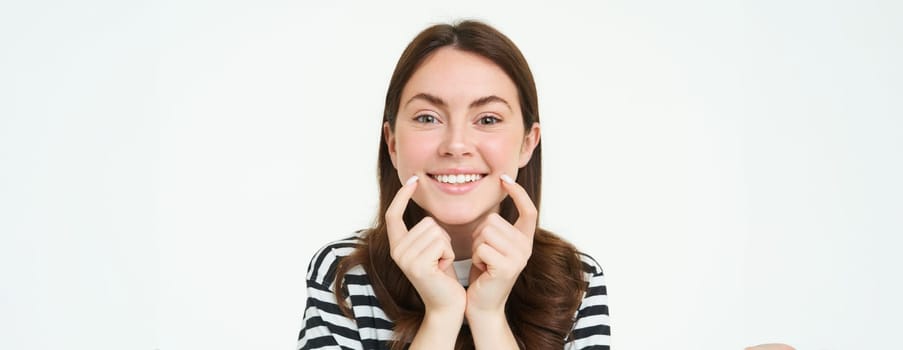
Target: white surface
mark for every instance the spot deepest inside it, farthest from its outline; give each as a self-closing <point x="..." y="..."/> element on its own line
<point x="168" y="168"/>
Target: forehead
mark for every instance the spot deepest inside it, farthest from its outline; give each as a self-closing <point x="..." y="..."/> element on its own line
<point x="459" y="77"/>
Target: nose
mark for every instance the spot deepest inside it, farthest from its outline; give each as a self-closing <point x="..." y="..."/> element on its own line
<point x="456" y="142"/>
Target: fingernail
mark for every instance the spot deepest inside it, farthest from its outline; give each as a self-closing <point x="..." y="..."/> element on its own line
<point x="411" y="180"/>
<point x="507" y="179"/>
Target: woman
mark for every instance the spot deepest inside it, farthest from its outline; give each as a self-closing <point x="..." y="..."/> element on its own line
<point x="456" y="259"/>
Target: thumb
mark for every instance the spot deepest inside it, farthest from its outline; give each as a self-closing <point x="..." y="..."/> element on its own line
<point x="474" y="274"/>
<point x="446" y="261"/>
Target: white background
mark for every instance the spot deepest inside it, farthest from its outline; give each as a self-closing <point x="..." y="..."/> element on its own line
<point x="167" y="168"/>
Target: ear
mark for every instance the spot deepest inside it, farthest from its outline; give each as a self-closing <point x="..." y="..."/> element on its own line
<point x="390" y="142"/>
<point x="531" y="139"/>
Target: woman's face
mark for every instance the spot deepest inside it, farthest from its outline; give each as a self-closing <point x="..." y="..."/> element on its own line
<point x="459" y="127"/>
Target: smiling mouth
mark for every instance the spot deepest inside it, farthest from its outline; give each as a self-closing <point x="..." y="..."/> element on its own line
<point x="456" y="179"/>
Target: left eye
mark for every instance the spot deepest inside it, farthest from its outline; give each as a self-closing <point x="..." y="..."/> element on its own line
<point x="488" y="120"/>
<point x="425" y="118"/>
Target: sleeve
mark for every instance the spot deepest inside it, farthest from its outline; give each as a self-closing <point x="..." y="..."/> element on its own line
<point x="325" y="327"/>
<point x="592" y="330"/>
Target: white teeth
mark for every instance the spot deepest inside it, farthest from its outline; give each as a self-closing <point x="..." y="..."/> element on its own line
<point x="457" y="178"/>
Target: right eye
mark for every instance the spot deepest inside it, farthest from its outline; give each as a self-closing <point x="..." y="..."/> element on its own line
<point x="426" y="119"/>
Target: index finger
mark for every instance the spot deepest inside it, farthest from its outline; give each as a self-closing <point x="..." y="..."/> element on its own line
<point x="527" y="213"/>
<point x="395" y="212"/>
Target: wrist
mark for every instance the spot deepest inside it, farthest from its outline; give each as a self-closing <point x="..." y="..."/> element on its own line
<point x="473" y="313"/>
<point x="490" y="330"/>
<point x="444" y="316"/>
<point x="491" y="319"/>
<point x="438" y="330"/>
<point x="450" y="310"/>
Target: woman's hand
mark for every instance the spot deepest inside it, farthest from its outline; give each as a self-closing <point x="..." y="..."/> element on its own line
<point x="425" y="256"/>
<point x="500" y="252"/>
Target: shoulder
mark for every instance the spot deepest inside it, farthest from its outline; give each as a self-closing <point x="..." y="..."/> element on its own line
<point x="592" y="328"/>
<point x="322" y="266"/>
<point x="592" y="275"/>
<point x="590" y="265"/>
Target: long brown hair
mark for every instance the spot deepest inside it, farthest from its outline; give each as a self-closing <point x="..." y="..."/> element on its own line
<point x="544" y="300"/>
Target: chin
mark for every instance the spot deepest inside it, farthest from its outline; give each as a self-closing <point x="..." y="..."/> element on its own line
<point x="463" y="214"/>
<point x="455" y="218"/>
<point x="458" y="210"/>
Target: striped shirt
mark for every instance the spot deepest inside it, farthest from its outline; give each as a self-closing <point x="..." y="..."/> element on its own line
<point x="325" y="327"/>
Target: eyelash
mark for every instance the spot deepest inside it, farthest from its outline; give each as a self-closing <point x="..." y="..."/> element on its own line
<point x="423" y="119"/>
<point x="494" y="119"/>
<point x="431" y="119"/>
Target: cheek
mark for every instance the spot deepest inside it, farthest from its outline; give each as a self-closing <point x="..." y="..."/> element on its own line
<point x="502" y="153"/>
<point x="412" y="154"/>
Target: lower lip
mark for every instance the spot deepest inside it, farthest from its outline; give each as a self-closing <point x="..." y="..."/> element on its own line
<point x="456" y="188"/>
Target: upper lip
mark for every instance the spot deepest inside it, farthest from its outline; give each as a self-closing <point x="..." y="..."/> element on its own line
<point x="455" y="171"/>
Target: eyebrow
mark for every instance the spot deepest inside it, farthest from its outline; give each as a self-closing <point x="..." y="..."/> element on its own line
<point x="487" y="100"/>
<point x="482" y="101"/>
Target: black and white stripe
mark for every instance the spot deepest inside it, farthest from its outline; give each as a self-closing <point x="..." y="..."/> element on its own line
<point x="592" y="329"/>
<point x="326" y="328"/>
